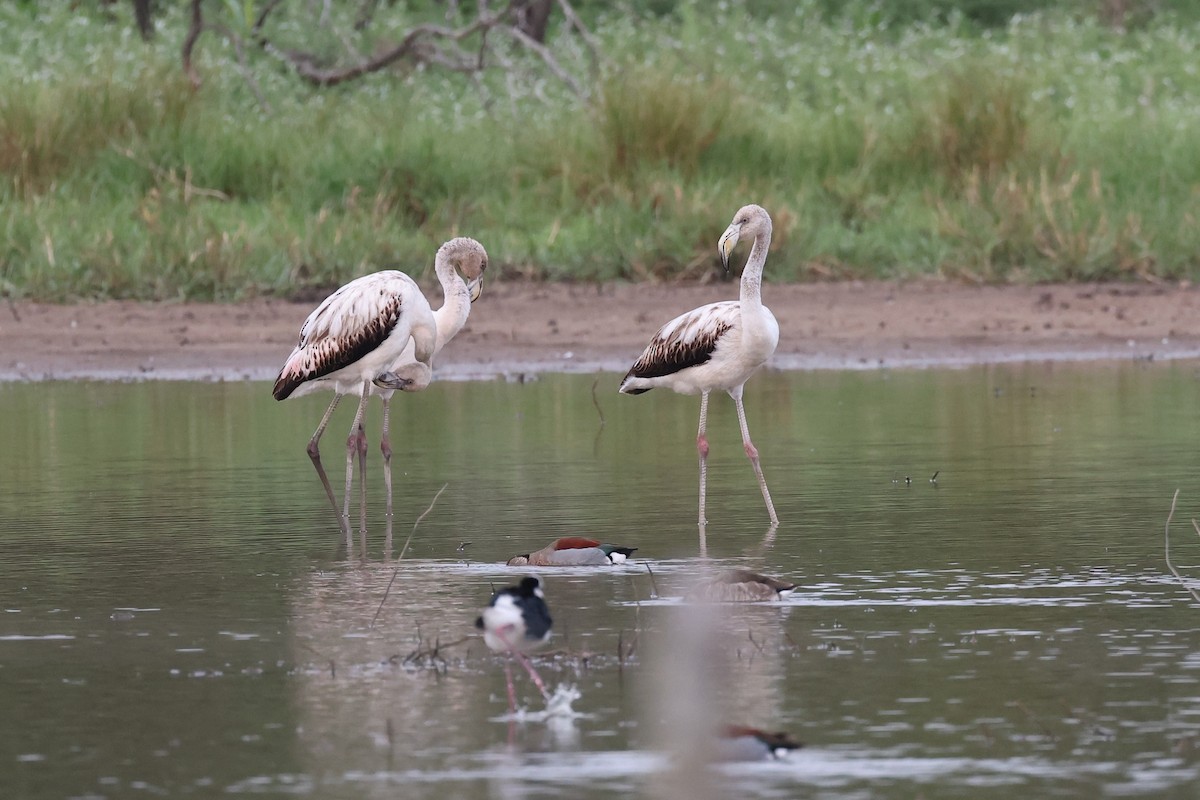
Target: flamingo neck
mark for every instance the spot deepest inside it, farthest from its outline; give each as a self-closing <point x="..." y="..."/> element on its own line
<point x="456" y="303"/>
<point x="751" y="293"/>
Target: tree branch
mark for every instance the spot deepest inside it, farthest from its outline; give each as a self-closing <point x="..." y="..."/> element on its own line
<point x="547" y="58"/>
<point x="194" y="31"/>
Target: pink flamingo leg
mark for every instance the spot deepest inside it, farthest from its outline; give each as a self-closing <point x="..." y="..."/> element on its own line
<point x="352" y="451"/>
<point x="361" y="443"/>
<point x="752" y="454"/>
<point x="385" y="447"/>
<point x="702" y="449"/>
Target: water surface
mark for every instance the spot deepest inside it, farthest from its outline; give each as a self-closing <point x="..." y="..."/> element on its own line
<point x="180" y="616"/>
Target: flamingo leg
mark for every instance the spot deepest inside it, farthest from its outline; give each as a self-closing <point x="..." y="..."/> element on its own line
<point x="361" y="442"/>
<point x="385" y="446"/>
<point x="351" y="452"/>
<point x="752" y="454"/>
<point x="702" y="449"/>
<point x="314" y="453"/>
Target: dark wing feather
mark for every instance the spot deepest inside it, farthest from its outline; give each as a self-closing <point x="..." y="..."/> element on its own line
<point x="324" y="354"/>
<point x="686" y="341"/>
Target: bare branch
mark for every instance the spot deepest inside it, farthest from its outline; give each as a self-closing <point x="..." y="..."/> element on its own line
<point x="404" y="550"/>
<point x="469" y="49"/>
<point x="256" y="31"/>
<point x="547" y="58"/>
<point x="588" y="40"/>
<point x="243" y="67"/>
<point x="198" y="26"/>
<point x="417" y="44"/>
<point x="194" y="31"/>
<point x="143" y="17"/>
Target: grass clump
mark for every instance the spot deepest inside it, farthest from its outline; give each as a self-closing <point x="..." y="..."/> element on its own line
<point x="50" y="131"/>
<point x="972" y="123"/>
<point x="650" y="117"/>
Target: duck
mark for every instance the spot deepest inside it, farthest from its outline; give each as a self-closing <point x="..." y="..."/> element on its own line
<point x="740" y="586"/>
<point x="742" y="743"/>
<point x="574" y="551"/>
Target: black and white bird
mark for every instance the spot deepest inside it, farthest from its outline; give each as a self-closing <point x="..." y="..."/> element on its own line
<point x="375" y="335"/>
<point x="717" y="346"/>
<point x="517" y="621"/>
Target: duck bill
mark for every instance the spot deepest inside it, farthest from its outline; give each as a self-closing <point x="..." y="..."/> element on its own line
<point x="729" y="240"/>
<point x="475" y="288"/>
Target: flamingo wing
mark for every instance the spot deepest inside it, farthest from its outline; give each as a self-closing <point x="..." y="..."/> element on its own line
<point x="689" y="340"/>
<point x="350" y="323"/>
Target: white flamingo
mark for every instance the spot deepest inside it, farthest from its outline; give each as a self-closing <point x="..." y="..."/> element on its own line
<point x="717" y="346"/>
<point x="357" y="335"/>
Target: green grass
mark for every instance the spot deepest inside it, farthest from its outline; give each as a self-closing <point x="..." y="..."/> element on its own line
<point x="1054" y="148"/>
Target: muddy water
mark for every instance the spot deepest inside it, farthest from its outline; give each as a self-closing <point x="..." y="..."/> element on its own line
<point x="178" y="615"/>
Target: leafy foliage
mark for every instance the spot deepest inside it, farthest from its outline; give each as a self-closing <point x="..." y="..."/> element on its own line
<point x="1055" y="146"/>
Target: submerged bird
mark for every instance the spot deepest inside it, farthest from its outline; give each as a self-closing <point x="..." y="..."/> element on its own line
<point x="517" y="621"/>
<point x="739" y="743"/>
<point x="740" y="586"/>
<point x="363" y="330"/>
<point x="717" y="346"/>
<point x="574" y="551"/>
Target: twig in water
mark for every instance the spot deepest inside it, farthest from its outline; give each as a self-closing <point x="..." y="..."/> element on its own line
<point x="1167" y="550"/>
<point x="633" y="643"/>
<point x="653" y="583"/>
<point x="750" y="636"/>
<point x="596" y="402"/>
<point x="404" y="550"/>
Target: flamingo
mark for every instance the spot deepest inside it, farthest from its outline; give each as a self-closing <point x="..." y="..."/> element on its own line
<point x="516" y="621"/>
<point x="360" y="331"/>
<point x="573" y="551"/>
<point x="717" y="346"/>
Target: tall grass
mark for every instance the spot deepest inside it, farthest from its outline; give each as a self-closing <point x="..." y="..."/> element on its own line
<point x="1057" y="147"/>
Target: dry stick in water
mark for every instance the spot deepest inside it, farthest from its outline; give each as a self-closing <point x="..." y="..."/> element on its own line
<point x="653" y="583"/>
<point x="1167" y="550"/>
<point x="600" y="411"/>
<point x="404" y="550"/>
<point x="596" y="402"/>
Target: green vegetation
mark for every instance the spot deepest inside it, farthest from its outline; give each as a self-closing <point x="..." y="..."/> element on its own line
<point x="1052" y="146"/>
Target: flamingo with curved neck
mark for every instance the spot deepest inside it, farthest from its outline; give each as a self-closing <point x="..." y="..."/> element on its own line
<point x="717" y="346"/>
